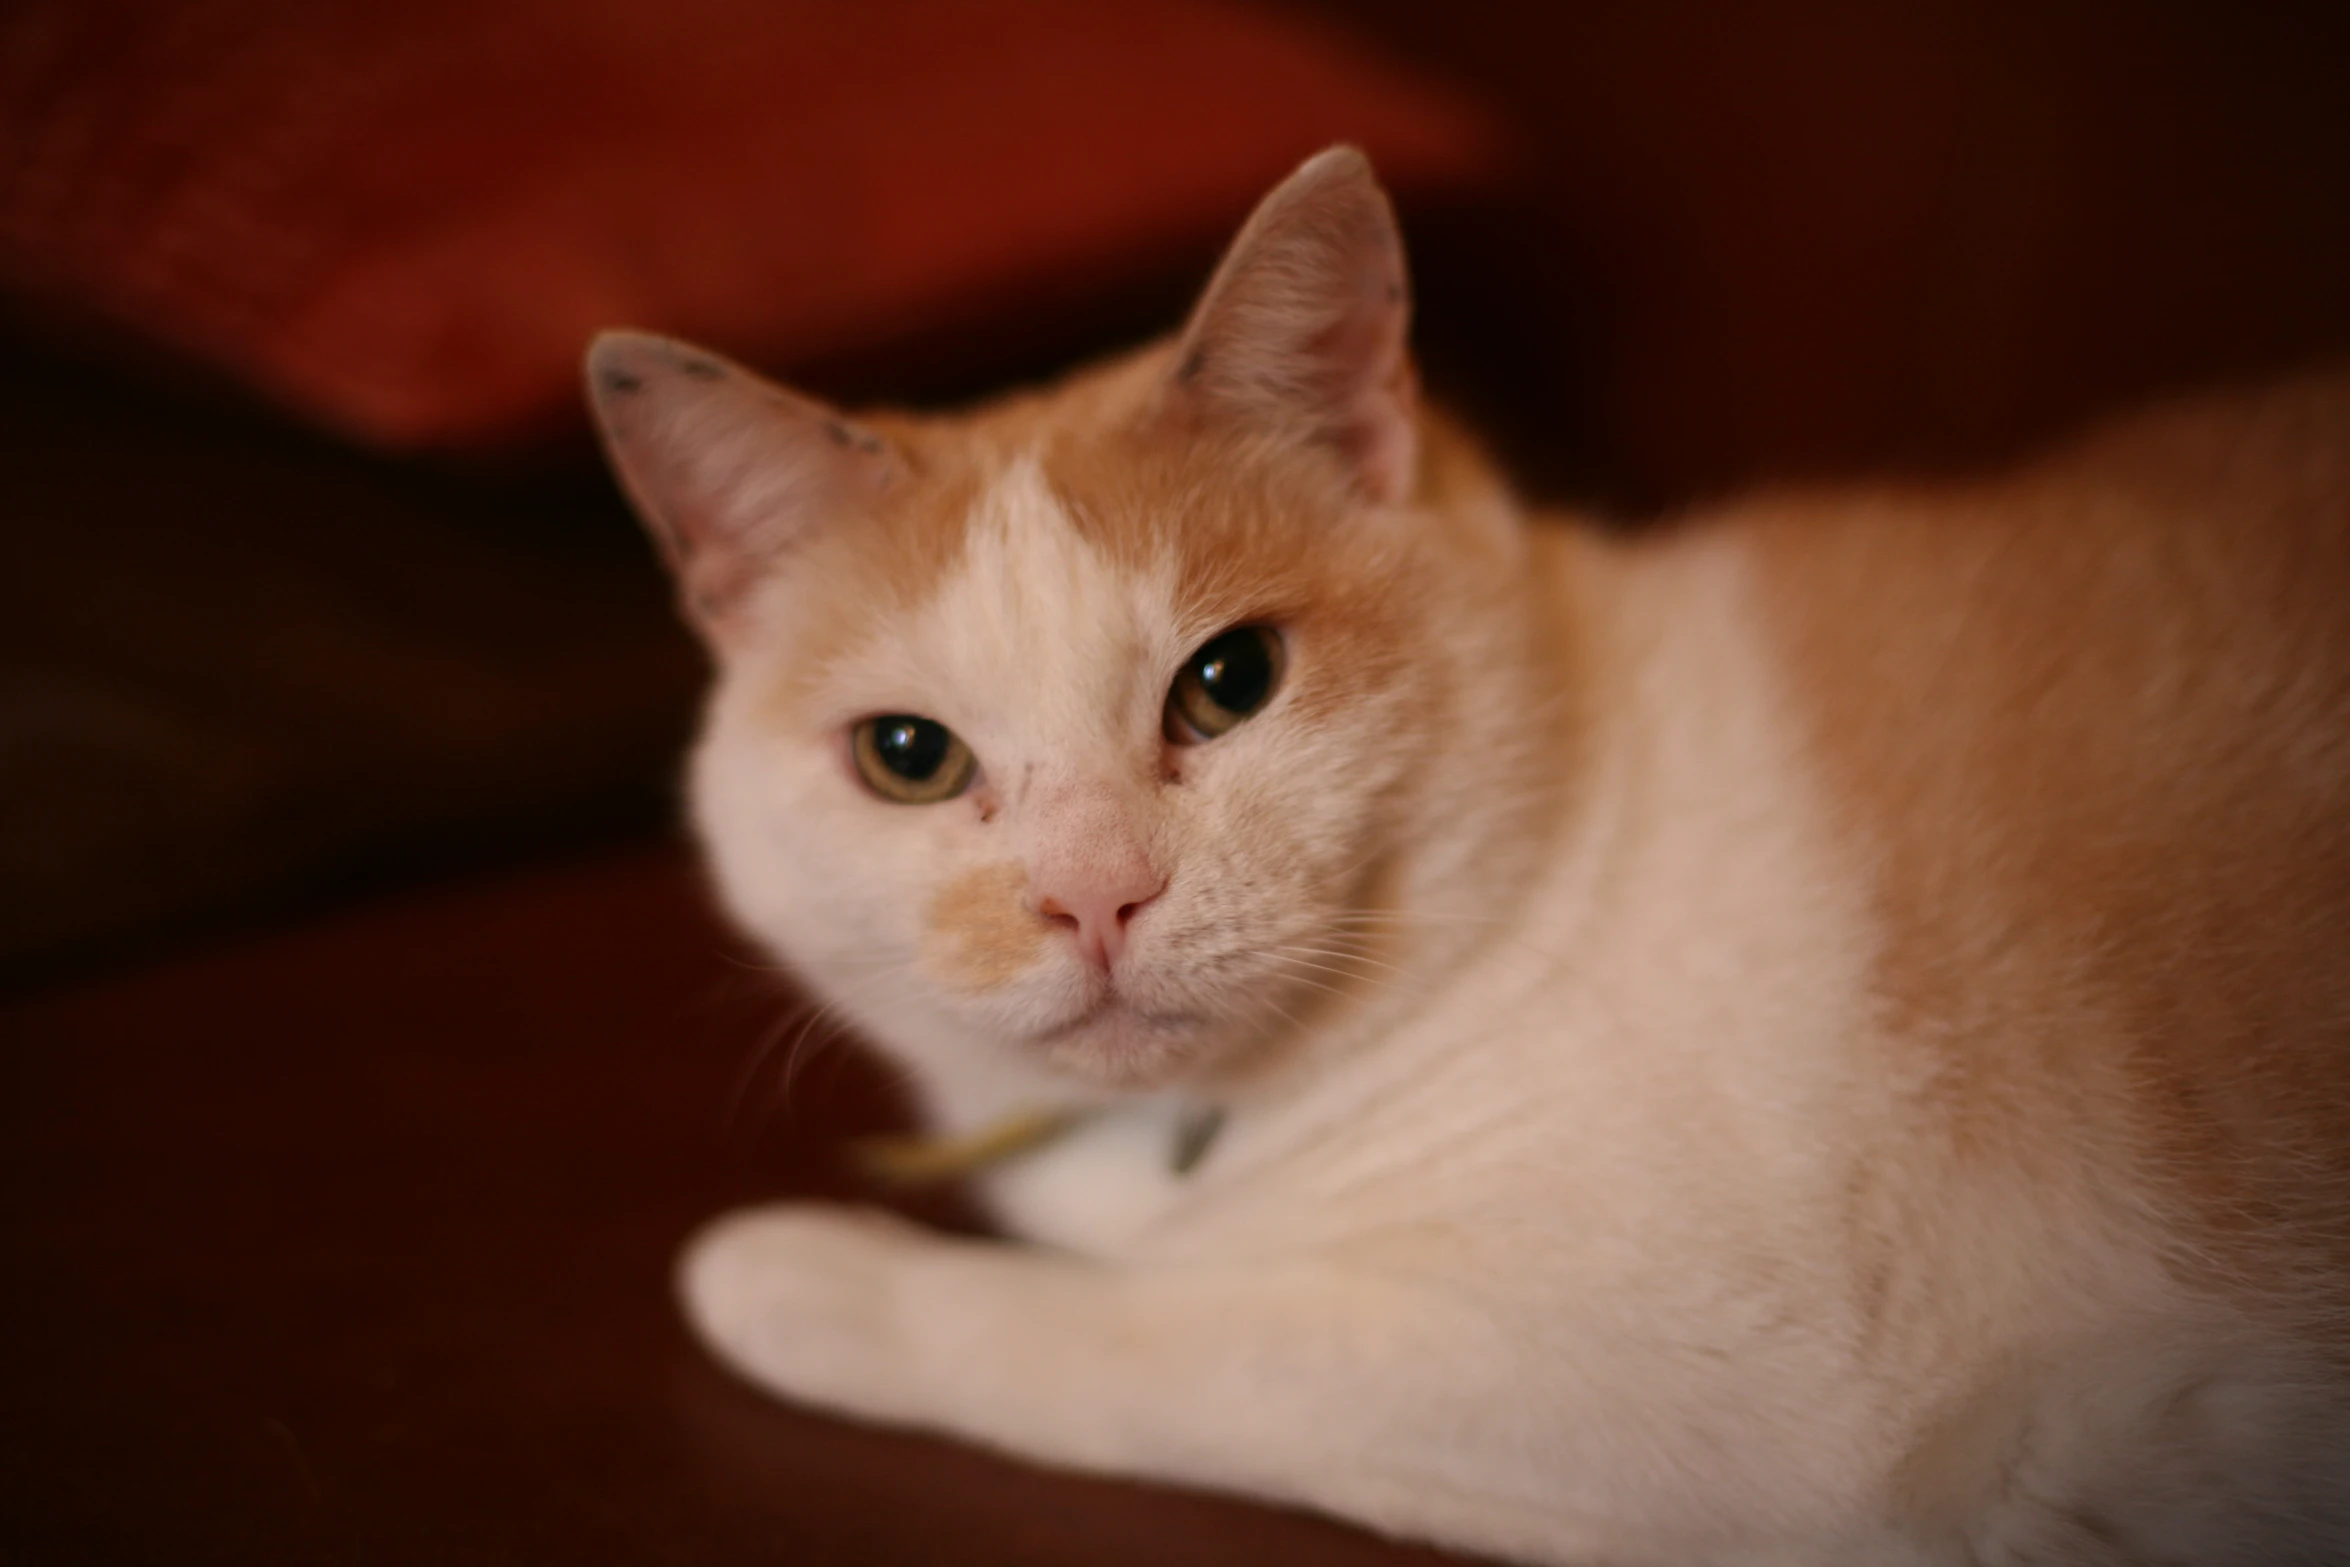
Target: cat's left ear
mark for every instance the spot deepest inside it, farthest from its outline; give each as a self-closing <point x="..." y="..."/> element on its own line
<point x="1304" y="328"/>
<point x="729" y="471"/>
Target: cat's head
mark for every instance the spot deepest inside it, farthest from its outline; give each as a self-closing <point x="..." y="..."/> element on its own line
<point x="1114" y="728"/>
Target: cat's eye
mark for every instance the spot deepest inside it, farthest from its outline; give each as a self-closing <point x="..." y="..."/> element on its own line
<point x="914" y="761"/>
<point x="1227" y="680"/>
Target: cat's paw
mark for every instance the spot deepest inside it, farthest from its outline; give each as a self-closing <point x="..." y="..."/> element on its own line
<point x="803" y="1300"/>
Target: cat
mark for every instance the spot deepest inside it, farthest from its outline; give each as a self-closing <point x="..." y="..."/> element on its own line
<point x="1815" y="1034"/>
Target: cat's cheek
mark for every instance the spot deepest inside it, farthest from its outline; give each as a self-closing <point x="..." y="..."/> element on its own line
<point x="801" y="1299"/>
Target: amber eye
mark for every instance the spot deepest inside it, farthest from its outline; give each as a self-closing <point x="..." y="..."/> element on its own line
<point x="1227" y="680"/>
<point x="914" y="761"/>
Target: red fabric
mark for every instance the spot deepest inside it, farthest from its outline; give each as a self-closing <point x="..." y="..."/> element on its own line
<point x="404" y="220"/>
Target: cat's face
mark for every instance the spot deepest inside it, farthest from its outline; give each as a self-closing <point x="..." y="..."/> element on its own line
<point x="1097" y="775"/>
<point x="1084" y="728"/>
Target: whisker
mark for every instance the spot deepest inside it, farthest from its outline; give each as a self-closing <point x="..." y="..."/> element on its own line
<point x="1264" y="1004"/>
<point x="753" y="1064"/>
<point x="1315" y="984"/>
<point x="1350" y="955"/>
<point x="1294" y="963"/>
<point x="821" y="1024"/>
<point x="1372" y="921"/>
<point x="1403" y="917"/>
<point x="832" y="1018"/>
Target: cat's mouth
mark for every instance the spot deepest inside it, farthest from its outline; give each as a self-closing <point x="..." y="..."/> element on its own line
<point x="1112" y="1011"/>
<point x="1117" y="1043"/>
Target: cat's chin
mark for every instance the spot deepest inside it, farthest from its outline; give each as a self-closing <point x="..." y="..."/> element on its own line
<point x="1113" y="1043"/>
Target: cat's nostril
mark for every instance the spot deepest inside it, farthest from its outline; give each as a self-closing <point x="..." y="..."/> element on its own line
<point x="1098" y="918"/>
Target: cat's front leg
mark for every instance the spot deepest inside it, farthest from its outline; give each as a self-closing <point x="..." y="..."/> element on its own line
<point x="802" y="1299"/>
<point x="1301" y="1381"/>
<point x="1061" y="1357"/>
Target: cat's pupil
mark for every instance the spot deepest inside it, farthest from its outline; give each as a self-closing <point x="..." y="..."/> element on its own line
<point x="912" y="748"/>
<point x="1236" y="671"/>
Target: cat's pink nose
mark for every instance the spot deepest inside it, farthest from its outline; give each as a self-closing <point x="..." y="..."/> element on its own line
<point x="1097" y="909"/>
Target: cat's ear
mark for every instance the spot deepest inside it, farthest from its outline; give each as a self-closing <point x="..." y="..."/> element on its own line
<point x="1304" y="327"/>
<point x="728" y="470"/>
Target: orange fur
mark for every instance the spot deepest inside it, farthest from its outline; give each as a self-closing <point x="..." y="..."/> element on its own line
<point x="981" y="930"/>
<point x="2091" y="723"/>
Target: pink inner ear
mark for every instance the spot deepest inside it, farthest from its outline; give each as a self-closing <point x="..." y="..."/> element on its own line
<point x="1376" y="429"/>
<point x="1305" y="325"/>
<point x="728" y="470"/>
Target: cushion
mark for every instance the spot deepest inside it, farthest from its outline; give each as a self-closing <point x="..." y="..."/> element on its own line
<point x="404" y="221"/>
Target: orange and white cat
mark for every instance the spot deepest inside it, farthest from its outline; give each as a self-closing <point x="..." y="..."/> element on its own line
<point x="1819" y="1034"/>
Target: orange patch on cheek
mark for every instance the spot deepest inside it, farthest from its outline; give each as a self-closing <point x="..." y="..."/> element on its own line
<point x="981" y="933"/>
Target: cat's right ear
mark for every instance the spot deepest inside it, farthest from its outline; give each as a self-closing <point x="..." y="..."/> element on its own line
<point x="729" y="471"/>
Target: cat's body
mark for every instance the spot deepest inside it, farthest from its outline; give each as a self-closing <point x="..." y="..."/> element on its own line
<point x="1818" y="1035"/>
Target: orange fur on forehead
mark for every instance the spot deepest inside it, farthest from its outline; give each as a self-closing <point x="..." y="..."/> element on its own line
<point x="1250" y="532"/>
<point x="1246" y="529"/>
<point x="893" y="557"/>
